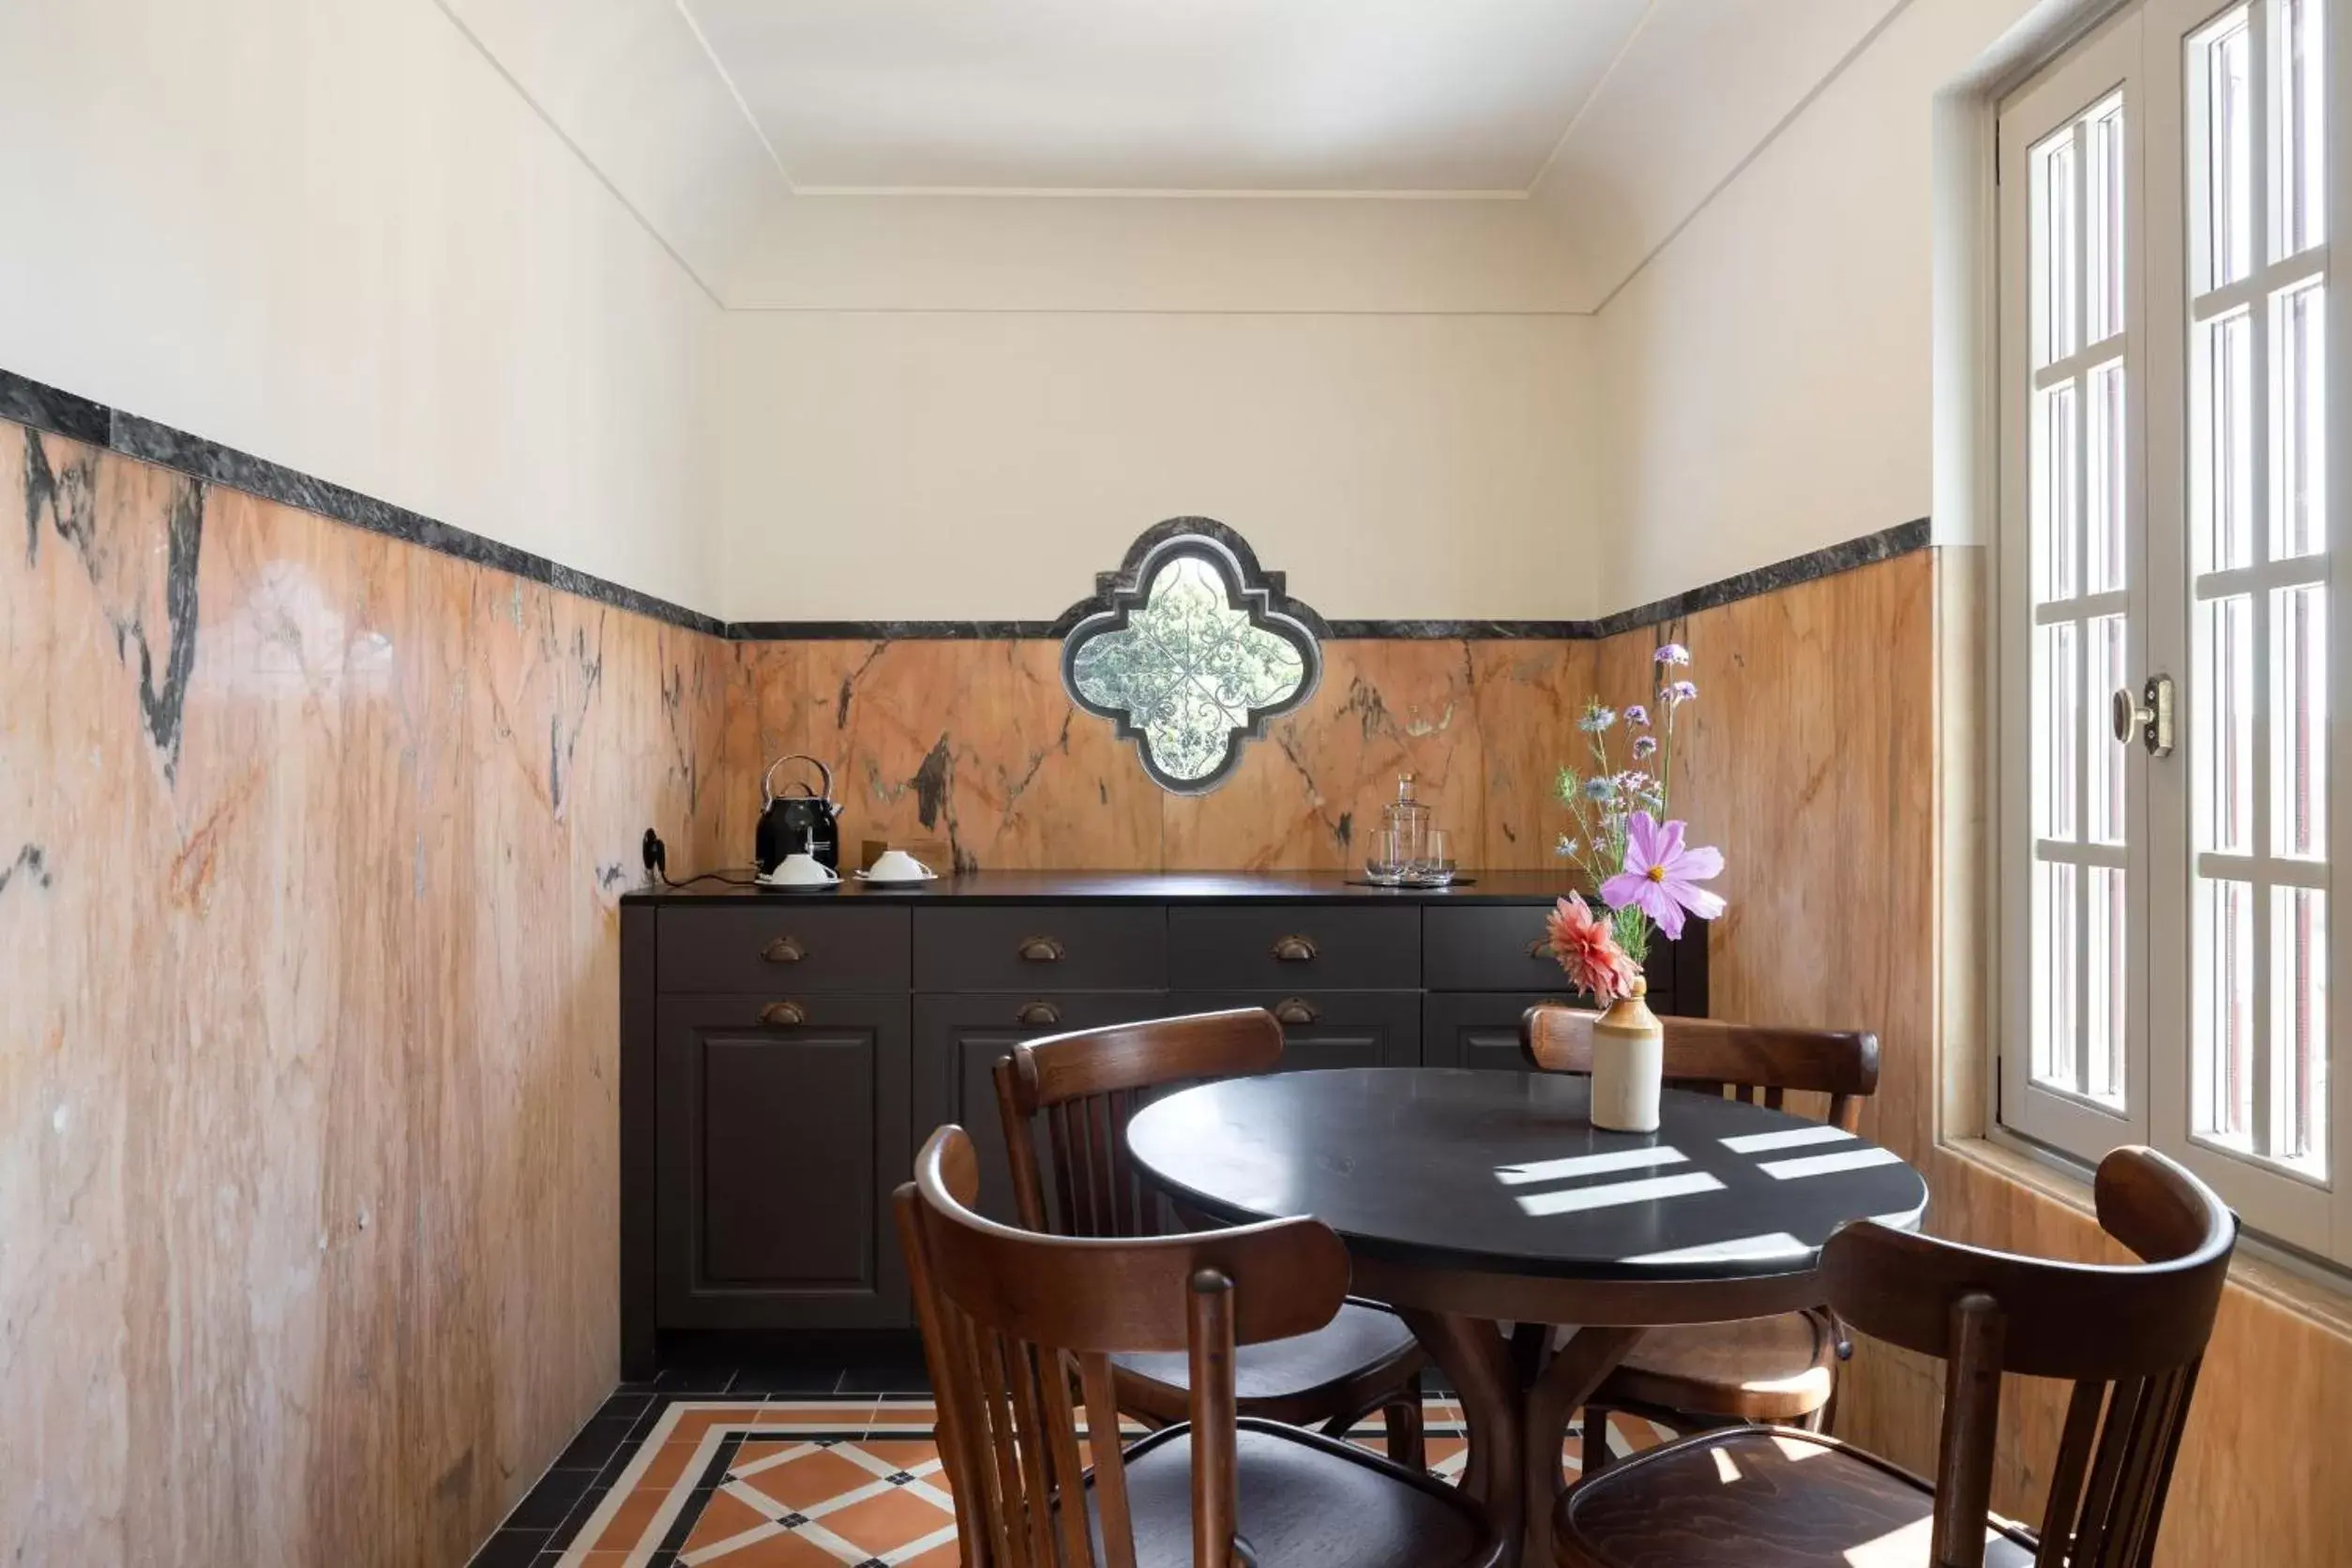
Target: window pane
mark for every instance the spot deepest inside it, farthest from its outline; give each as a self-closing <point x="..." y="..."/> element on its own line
<point x="2057" y="770"/>
<point x="2109" y="923"/>
<point x="2224" y="805"/>
<point x="2299" y="1027"/>
<point x="2106" y="477"/>
<point x="2298" y="722"/>
<point x="2054" y="918"/>
<point x="2298" y="432"/>
<point x="2225" y="159"/>
<point x="2221" y="490"/>
<point x="2109" y="671"/>
<point x="2222" y="1073"/>
<point x="2058" y="267"/>
<point x="2057" y="455"/>
<point x="2104" y="220"/>
<point x="2303" y="125"/>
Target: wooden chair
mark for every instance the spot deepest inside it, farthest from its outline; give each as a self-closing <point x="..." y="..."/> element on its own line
<point x="1770" y="1369"/>
<point x="1019" y="1329"/>
<point x="2129" y="1337"/>
<point x="1084" y="1087"/>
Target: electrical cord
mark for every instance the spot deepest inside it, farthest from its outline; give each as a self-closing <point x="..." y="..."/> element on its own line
<point x="657" y="864"/>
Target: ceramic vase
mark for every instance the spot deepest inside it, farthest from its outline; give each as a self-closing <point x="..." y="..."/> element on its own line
<point x="1628" y="1065"/>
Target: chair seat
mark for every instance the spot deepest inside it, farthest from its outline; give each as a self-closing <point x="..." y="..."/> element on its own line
<point x="1759" y="1369"/>
<point x="1287" y="1380"/>
<point x="1307" y="1502"/>
<point x="1760" y="1498"/>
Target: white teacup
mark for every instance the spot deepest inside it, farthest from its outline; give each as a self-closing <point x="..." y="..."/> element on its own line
<point x="803" y="870"/>
<point x="898" y="865"/>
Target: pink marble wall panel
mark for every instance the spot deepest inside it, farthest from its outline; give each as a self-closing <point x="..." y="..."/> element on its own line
<point x="310" y="848"/>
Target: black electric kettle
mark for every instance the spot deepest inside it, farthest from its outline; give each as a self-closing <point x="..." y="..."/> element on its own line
<point x="802" y="823"/>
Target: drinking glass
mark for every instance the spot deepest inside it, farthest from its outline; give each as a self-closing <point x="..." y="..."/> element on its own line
<point x="1384" y="859"/>
<point x="1433" y="866"/>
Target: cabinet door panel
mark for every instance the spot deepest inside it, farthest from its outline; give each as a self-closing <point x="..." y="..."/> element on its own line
<point x="778" y="1141"/>
<point x="1330" y="1029"/>
<point x="960" y="1038"/>
<point x="1293" y="946"/>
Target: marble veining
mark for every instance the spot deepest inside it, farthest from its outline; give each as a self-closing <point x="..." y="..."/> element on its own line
<point x="312" y="846"/>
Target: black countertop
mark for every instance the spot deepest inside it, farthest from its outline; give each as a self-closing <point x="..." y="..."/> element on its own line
<point x="1143" y="887"/>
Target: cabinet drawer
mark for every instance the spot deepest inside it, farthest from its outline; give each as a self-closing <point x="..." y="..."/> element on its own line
<point x="1293" y="948"/>
<point x="1329" y="1028"/>
<point x="1028" y="947"/>
<point x="783" y="948"/>
<point x="1500" y="947"/>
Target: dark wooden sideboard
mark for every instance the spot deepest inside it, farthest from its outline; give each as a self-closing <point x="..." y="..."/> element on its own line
<point x="783" y="1055"/>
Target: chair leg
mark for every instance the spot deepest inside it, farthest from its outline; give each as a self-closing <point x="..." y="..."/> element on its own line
<point x="1402" y="1415"/>
<point x="1597" y="1439"/>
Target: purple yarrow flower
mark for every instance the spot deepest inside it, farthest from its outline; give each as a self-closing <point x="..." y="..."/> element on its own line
<point x="1645" y="746"/>
<point x="1672" y="652"/>
<point x="1679" y="693"/>
<point x="1661" y="878"/>
<point x="1638" y="717"/>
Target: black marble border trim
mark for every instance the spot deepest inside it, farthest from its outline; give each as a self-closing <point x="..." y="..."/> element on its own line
<point x="25" y="401"/>
<point x="30" y="402"/>
<point x="1830" y="560"/>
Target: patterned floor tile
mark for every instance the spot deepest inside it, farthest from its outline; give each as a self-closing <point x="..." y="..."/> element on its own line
<point x="854" y="1482"/>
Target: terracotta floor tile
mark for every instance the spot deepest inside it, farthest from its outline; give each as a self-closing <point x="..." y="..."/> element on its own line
<point x="781" y="1550"/>
<point x="802" y="1483"/>
<point x="881" y="1525"/>
<point x="905" y="1453"/>
<point x="628" y="1525"/>
<point x="724" y="1517"/>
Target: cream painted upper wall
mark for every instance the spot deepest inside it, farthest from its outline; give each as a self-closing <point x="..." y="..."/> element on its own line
<point x="1765" y="379"/>
<point x="1146" y="253"/>
<point x="330" y="232"/>
<point x="986" y="464"/>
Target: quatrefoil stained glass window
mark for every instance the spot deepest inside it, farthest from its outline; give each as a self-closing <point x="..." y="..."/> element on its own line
<point x="1191" y="652"/>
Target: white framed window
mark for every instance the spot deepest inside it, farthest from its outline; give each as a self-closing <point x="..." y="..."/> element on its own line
<point x="2164" y="645"/>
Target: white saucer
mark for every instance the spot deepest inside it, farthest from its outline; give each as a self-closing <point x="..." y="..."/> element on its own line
<point x="775" y="886"/>
<point x="894" y="881"/>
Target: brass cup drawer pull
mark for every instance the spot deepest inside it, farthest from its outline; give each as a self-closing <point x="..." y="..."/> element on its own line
<point x="1295" y="1011"/>
<point x="784" y="950"/>
<point x="783" y="1014"/>
<point x="1542" y="948"/>
<point x="1042" y="950"/>
<point x="1037" y="1015"/>
<point x="1294" y="950"/>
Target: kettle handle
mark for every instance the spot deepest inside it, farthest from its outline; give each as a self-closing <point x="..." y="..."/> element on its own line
<point x="767" y="791"/>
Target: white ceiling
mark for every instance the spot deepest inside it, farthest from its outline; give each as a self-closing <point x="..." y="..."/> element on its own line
<point x="925" y="154"/>
<point x="1258" y="96"/>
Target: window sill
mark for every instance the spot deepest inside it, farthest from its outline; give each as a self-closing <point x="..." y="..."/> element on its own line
<point x="2310" y="1290"/>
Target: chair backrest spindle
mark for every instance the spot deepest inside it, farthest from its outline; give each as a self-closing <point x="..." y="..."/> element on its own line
<point x="2130" y="1338"/>
<point x="1085" y="1087"/>
<point x="1756" y="1062"/>
<point x="1018" y="1329"/>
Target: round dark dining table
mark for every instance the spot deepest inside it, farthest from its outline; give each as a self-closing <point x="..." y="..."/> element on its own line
<point x="1472" y="1199"/>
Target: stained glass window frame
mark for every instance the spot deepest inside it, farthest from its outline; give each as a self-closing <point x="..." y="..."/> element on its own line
<point x="1249" y="590"/>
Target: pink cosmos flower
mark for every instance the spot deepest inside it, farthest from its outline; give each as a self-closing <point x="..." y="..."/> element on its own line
<point x="1661" y="878"/>
<point x="1587" y="949"/>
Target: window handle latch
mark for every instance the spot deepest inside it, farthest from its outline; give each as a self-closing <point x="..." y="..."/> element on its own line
<point x="2148" y="714"/>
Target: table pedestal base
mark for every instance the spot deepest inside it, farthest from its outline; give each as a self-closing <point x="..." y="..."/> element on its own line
<point x="1518" y="1417"/>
